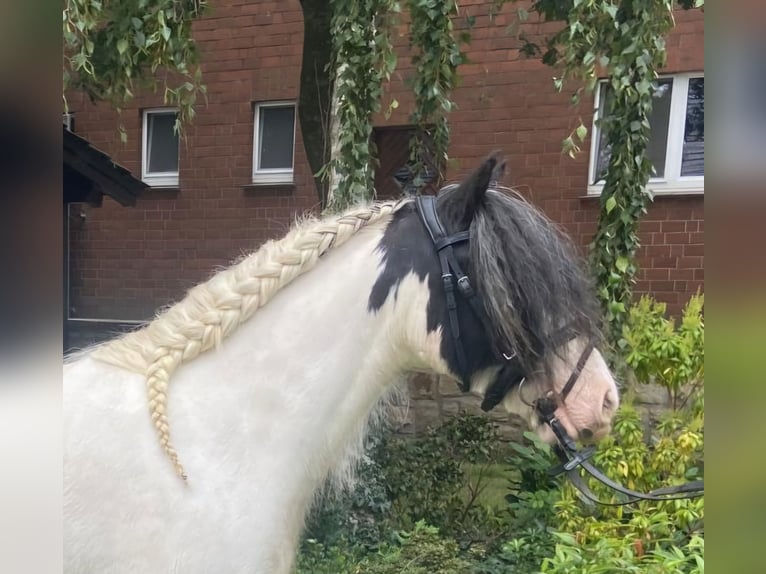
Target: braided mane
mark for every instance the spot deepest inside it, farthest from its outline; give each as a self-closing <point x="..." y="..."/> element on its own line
<point x="214" y="309"/>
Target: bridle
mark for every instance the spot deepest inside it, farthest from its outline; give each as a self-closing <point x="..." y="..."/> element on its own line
<point x="454" y="279"/>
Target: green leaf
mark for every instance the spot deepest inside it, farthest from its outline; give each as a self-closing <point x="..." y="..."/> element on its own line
<point x="611" y="203"/>
<point x="581" y="132"/>
<point x="621" y="264"/>
<point x="122" y="45"/>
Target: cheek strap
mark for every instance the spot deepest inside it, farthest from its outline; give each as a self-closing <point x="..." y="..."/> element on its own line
<point x="577" y="370"/>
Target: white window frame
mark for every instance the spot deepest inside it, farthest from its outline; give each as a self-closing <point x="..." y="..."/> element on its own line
<point x="162" y="178"/>
<point x="271" y="176"/>
<point x="671" y="183"/>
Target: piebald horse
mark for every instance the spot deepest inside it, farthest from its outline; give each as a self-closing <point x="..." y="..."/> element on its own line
<point x="198" y="442"/>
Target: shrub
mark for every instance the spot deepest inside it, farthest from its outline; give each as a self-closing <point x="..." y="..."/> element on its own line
<point x="421" y="551"/>
<point x="439" y="478"/>
<point x="659" y="351"/>
<point x="316" y="558"/>
<point x="646" y="536"/>
<point x="358" y="515"/>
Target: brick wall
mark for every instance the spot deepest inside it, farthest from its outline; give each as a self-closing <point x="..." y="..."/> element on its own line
<point x="128" y="261"/>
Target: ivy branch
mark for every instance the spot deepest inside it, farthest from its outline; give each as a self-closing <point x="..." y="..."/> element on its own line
<point x="436" y="59"/>
<point x="363" y="59"/>
<point x="625" y="39"/>
<point x="112" y="49"/>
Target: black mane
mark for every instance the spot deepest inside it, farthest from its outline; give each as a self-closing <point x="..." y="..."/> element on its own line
<point x="530" y="280"/>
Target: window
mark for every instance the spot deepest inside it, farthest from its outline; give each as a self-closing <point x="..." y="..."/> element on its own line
<point x="159" y="161"/>
<point x="677" y="140"/>
<point x="273" y="142"/>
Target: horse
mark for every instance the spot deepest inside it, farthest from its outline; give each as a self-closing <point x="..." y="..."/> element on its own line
<point x="281" y="362"/>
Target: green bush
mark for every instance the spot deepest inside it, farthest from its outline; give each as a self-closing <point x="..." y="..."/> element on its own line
<point x="659" y="351"/>
<point x="440" y="478"/>
<point x="646" y="536"/>
<point x="421" y="551"/>
<point x="358" y="515"/>
<point x="418" y="485"/>
<point x="317" y="558"/>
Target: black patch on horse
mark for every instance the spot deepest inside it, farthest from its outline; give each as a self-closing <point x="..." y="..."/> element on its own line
<point x="406" y="248"/>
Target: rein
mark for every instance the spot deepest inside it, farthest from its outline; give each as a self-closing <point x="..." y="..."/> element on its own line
<point x="571" y="458"/>
<point x="511" y="374"/>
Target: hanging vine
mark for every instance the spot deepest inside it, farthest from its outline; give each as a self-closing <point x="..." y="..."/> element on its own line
<point x="625" y="39"/>
<point x="436" y="60"/>
<point x="363" y="59"/>
<point x="112" y="49"/>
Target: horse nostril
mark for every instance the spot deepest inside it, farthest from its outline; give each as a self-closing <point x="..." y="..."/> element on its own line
<point x="586" y="434"/>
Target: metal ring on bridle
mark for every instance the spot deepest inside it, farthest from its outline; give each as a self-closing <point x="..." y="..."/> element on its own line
<point x="521" y="393"/>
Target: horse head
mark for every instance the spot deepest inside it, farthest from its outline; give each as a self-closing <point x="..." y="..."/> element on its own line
<point x="516" y="315"/>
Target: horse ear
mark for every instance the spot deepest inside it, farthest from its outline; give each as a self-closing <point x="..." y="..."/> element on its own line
<point x="461" y="203"/>
<point x="498" y="173"/>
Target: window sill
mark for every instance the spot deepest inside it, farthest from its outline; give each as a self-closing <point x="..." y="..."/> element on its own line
<point x="161" y="182"/>
<point x="273" y="178"/>
<point x="594" y="191"/>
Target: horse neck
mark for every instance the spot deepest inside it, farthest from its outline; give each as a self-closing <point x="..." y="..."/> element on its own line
<point x="299" y="380"/>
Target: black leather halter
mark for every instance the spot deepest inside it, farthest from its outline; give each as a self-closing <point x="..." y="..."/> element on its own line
<point x="511" y="374"/>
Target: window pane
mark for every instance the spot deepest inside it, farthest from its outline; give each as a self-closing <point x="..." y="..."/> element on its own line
<point x="163" y="143"/>
<point x="604" y="152"/>
<point x="658" y="138"/>
<point x="659" y="120"/>
<point x="693" y="159"/>
<point x="277" y="129"/>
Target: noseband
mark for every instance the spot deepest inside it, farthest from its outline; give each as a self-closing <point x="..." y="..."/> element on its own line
<point x="512" y="374"/>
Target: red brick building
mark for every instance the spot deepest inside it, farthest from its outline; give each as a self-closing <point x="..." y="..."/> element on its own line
<point x="221" y="191"/>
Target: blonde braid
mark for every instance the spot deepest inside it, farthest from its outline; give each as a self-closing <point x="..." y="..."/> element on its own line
<point x="212" y="310"/>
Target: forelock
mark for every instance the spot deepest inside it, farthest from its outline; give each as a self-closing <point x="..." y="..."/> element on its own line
<point x="530" y="278"/>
